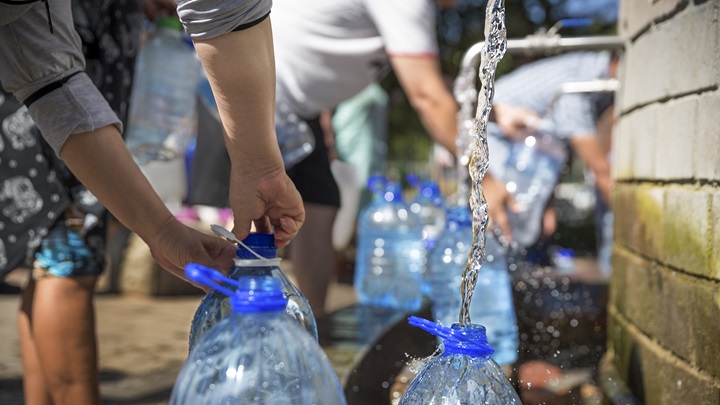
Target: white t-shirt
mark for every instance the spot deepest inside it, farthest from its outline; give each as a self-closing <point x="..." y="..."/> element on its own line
<point x="326" y="51"/>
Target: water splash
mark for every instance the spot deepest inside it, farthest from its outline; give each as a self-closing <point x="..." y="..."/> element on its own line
<point x="491" y="52"/>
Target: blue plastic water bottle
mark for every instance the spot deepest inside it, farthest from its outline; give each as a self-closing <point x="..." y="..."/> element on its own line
<point x="216" y="305"/>
<point x="429" y="206"/>
<point x="492" y="302"/>
<point x="390" y="254"/>
<point x="162" y="107"/>
<point x="256" y="355"/>
<point x="463" y="373"/>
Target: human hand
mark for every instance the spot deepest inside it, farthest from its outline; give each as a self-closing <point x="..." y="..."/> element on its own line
<point x="174" y="245"/>
<point x="267" y="198"/>
<point x="515" y="120"/>
<point x="499" y="200"/>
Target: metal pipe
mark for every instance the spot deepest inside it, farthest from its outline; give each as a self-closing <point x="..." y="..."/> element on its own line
<point x="541" y="44"/>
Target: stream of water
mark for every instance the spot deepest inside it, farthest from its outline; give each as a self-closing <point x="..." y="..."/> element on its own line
<point x="491" y="52"/>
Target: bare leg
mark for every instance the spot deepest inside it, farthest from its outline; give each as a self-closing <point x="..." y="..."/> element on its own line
<point x="34" y="388"/>
<point x="63" y="327"/>
<point x="313" y="256"/>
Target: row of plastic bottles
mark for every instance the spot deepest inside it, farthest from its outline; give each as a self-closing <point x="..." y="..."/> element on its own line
<point x="258" y="351"/>
<point x="410" y="250"/>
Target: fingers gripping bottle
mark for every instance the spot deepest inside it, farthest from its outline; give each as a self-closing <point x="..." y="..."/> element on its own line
<point x="216" y="305"/>
<point x="463" y="373"/>
<point x="257" y="354"/>
<point x="391" y="253"/>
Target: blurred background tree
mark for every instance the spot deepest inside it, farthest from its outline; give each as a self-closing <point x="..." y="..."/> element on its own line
<point x="458" y="29"/>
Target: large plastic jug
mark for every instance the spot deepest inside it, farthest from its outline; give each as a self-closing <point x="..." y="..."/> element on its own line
<point x="256" y="355"/>
<point x="463" y="373"/>
<point x="492" y="301"/>
<point x="161" y="121"/>
<point x="531" y="172"/>
<point x="390" y="253"/>
<point x="215" y="305"/>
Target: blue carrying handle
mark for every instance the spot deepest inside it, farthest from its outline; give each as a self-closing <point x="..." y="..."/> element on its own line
<point x="209" y="277"/>
<point x="456" y="342"/>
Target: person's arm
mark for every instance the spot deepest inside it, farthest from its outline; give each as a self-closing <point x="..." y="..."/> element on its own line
<point x="513" y="120"/>
<point x="423" y="84"/>
<point x="100" y="160"/>
<point x="588" y="149"/>
<point x="241" y="70"/>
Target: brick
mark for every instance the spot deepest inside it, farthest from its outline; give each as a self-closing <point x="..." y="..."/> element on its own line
<point x="624" y="207"/>
<point x="705" y="324"/>
<point x="675" y="130"/>
<point x="715" y="237"/>
<point x="636" y="16"/>
<point x="675" y="57"/>
<point x="639" y="223"/>
<point x="687" y="229"/>
<point x="666" y="378"/>
<point x="706" y="148"/>
<point x="636" y="288"/>
<point x="622" y="155"/>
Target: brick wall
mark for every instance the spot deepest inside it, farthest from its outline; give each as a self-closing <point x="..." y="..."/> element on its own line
<point x="664" y="334"/>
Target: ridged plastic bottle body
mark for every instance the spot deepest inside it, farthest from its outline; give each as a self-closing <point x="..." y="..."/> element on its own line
<point x="532" y="171"/>
<point x="391" y="256"/>
<point x="492" y="302"/>
<point x="257" y="358"/>
<point x="452" y="379"/>
<point x="161" y="120"/>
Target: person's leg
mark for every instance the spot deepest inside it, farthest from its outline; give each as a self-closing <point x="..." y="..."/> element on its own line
<point x="311" y="251"/>
<point x="313" y="255"/>
<point x="34" y="388"/>
<point x="63" y="328"/>
<point x="57" y="320"/>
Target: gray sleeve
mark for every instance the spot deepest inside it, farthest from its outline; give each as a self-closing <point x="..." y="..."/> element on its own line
<point x="207" y="19"/>
<point x="76" y="107"/>
<point x="31" y="58"/>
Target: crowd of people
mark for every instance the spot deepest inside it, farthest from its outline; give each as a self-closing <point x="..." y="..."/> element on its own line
<point x="67" y="71"/>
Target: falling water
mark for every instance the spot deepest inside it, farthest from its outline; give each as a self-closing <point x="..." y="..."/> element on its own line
<point x="491" y="52"/>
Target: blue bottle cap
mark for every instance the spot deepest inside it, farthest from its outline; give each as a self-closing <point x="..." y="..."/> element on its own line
<point x="262" y="243"/>
<point x="258" y="294"/>
<point x="468" y="340"/>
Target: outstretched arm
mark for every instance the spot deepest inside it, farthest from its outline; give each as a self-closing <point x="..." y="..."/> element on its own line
<point x="423" y="84"/>
<point x="100" y="160"/>
<point x="241" y="70"/>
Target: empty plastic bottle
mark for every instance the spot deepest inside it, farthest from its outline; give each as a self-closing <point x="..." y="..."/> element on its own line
<point x="463" y="373"/>
<point x="492" y="302"/>
<point x="531" y="173"/>
<point x="390" y="253"/>
<point x="257" y="354"/>
<point x="294" y="136"/>
<point x="216" y="305"/>
<point x="161" y="121"/>
<point x="429" y="205"/>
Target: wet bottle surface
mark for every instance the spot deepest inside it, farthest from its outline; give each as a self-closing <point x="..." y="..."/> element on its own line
<point x="492" y="303"/>
<point x="391" y="254"/>
<point x="257" y="355"/>
<point x="216" y="306"/>
<point x="462" y="374"/>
